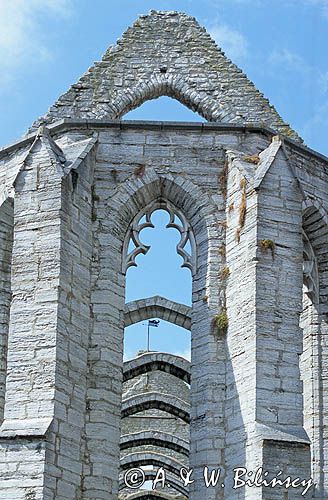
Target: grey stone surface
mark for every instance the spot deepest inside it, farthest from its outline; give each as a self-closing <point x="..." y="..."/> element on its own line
<point x="184" y="63"/>
<point x="256" y="205"/>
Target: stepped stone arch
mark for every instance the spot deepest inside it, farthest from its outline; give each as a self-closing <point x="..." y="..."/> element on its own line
<point x="169" y="363"/>
<point x="139" y="459"/>
<point x="171" y="479"/>
<point x="159" y="307"/>
<point x="155" y="438"/>
<point x="150" y="495"/>
<point x="149" y="400"/>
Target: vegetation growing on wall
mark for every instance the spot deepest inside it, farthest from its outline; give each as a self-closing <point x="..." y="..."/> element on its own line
<point x="266" y="245"/>
<point x="221" y="322"/>
<point x="242" y="208"/>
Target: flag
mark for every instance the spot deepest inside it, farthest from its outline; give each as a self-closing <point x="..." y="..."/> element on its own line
<point x="153" y="322"/>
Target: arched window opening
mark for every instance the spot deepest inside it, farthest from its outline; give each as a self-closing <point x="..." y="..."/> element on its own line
<point x="158" y="259"/>
<point x="162" y="272"/>
<point x="308" y="322"/>
<point x="310" y="361"/>
<point x="164" y="109"/>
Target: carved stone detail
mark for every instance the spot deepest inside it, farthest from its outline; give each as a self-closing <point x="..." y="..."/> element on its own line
<point x="183" y="226"/>
<point x="310" y="269"/>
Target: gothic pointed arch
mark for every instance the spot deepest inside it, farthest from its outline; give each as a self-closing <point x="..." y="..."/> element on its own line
<point x="314" y="323"/>
<point x="136" y="193"/>
<point x="151" y="361"/>
<point x="160" y="85"/>
<point x="149" y="400"/>
<point x="171" y="479"/>
<point x="157" y="438"/>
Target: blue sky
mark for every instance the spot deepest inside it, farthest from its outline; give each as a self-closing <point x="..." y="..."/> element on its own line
<point x="159" y="272"/>
<point x="46" y="45"/>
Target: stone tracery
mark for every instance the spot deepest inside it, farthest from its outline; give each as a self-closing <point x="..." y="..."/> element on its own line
<point x="137" y="225"/>
<point x="310" y="269"/>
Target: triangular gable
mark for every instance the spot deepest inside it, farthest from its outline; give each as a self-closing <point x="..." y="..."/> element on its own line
<point x="266" y="158"/>
<point x="255" y="168"/>
<point x="166" y="53"/>
<point x="66" y="157"/>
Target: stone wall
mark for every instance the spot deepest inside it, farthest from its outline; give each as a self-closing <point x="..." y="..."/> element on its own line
<point x="6" y="242"/>
<point x="254" y="207"/>
<point x="154" y="422"/>
<point x="244" y="198"/>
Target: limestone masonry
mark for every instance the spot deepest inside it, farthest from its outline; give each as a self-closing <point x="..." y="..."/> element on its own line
<point x="251" y="200"/>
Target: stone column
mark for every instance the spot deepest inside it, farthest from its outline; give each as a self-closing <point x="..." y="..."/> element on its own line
<point x="104" y="393"/>
<point x="208" y="375"/>
<point x="41" y="445"/>
<point x="264" y="342"/>
<point x="6" y="242"/>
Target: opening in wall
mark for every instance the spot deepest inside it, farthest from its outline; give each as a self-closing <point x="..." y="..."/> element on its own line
<point x="156" y="371"/>
<point x="164" y="109"/>
<point x="312" y="323"/>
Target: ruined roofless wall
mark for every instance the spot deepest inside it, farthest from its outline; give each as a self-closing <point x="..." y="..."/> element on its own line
<point x="246" y="192"/>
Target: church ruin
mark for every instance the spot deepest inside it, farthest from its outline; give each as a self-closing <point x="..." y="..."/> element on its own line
<point x="252" y="202"/>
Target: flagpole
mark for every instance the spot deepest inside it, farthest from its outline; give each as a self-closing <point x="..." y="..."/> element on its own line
<point x="152" y="322"/>
<point x="148" y="338"/>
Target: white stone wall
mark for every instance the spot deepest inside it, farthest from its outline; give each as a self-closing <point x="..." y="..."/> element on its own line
<point x="246" y="196"/>
<point x="141" y="148"/>
<point x="6" y="242"/>
<point x="65" y="356"/>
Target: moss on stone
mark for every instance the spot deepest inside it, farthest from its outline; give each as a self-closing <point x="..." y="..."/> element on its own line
<point x="268" y="245"/>
<point x="221" y="322"/>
